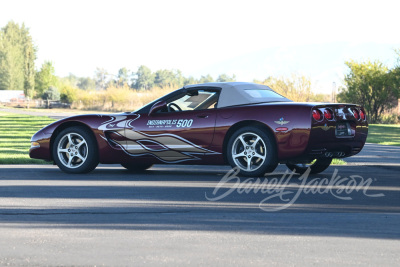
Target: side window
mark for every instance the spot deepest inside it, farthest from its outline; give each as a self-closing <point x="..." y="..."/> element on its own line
<point x="194" y="100"/>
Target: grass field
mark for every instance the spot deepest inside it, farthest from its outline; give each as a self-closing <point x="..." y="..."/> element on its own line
<point x="338" y="162"/>
<point x="15" y="135"/>
<point x="384" y="134"/>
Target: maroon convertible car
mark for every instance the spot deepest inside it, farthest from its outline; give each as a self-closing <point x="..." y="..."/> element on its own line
<point x="242" y="124"/>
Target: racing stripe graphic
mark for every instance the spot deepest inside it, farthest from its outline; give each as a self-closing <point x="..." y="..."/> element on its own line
<point x="117" y="122"/>
<point x="137" y="149"/>
<point x="168" y="148"/>
<point x="167" y="140"/>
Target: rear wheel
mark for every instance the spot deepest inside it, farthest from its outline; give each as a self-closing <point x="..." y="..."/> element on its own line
<point x="316" y="166"/>
<point x="253" y="151"/>
<point x="136" y="167"/>
<point x="75" y="150"/>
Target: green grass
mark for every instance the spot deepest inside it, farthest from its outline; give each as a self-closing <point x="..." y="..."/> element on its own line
<point x="384" y="134"/>
<point x="338" y="162"/>
<point x="15" y="135"/>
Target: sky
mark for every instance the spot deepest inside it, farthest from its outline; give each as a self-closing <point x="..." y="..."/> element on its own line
<point x="251" y="39"/>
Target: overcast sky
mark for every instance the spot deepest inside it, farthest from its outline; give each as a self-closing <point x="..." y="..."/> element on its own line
<point x="251" y="39"/>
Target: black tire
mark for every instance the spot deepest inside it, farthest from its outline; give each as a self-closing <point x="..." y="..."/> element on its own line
<point x="239" y="154"/>
<point x="85" y="157"/>
<point x="318" y="166"/>
<point x="131" y="167"/>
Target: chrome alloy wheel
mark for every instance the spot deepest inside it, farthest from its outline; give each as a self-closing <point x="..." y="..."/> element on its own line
<point x="72" y="150"/>
<point x="249" y="151"/>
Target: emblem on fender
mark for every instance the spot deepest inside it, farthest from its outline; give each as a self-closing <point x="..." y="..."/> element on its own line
<point x="281" y="121"/>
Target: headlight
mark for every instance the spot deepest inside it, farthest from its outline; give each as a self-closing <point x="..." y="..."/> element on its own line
<point x="35" y="144"/>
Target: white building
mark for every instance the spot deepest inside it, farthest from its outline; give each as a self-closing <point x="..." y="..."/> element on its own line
<point x="7" y="96"/>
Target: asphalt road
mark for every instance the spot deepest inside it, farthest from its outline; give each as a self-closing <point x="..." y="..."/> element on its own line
<point x="163" y="217"/>
<point x="48" y="113"/>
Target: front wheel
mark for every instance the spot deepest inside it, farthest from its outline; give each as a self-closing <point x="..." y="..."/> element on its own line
<point x="253" y="151"/>
<point x="75" y="150"/>
<point x="316" y="166"/>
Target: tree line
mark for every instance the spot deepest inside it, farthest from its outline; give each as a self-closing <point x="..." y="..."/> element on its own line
<point x="18" y="72"/>
<point x="141" y="79"/>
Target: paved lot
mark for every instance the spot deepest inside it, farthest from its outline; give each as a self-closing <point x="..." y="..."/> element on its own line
<point x="162" y="216"/>
<point x="48" y="113"/>
<point x="377" y="155"/>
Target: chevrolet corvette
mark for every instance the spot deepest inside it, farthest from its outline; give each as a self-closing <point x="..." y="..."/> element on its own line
<point x="245" y="125"/>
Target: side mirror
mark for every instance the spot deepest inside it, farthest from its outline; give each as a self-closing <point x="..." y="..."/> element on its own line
<point x="157" y="106"/>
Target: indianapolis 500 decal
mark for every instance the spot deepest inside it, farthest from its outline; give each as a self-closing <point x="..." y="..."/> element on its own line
<point x="168" y="148"/>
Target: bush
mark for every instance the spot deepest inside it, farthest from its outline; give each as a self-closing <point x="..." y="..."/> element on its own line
<point x="69" y="94"/>
<point x="297" y="88"/>
<point x="51" y="94"/>
<point x="389" y="119"/>
<point x="116" y="98"/>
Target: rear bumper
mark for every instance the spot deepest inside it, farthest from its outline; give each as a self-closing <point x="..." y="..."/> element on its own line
<point x="335" y="150"/>
<point x="324" y="142"/>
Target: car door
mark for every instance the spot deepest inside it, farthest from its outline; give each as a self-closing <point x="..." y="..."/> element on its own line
<point x="174" y="135"/>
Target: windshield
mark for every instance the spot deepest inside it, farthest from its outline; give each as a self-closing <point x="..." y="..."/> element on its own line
<point x="146" y="108"/>
<point x="197" y="100"/>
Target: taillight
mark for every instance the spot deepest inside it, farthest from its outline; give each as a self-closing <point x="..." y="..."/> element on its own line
<point x="362" y="114"/>
<point x="328" y="114"/>
<point x="356" y="115"/>
<point x="317" y="114"/>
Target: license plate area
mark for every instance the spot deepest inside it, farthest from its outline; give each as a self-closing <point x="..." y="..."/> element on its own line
<point x="343" y="129"/>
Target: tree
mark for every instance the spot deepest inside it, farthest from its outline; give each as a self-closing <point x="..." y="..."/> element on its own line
<point x="164" y="78"/>
<point x="71" y="80"/>
<point x="11" y="66"/>
<point x="123" y="76"/>
<point x="169" y="78"/>
<point x="206" y="79"/>
<point x="17" y="56"/>
<point x="144" y="78"/>
<point x="45" y="78"/>
<point x="189" y="80"/>
<point x="29" y="51"/>
<point x="226" y="78"/>
<point x="396" y="70"/>
<point x="51" y="94"/>
<point x="101" y="78"/>
<point x="372" y="85"/>
<point x="68" y="94"/>
<point x="179" y="78"/>
<point x="86" y="83"/>
<point x="296" y="87"/>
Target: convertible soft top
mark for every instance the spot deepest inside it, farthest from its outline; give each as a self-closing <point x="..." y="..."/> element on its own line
<point x="242" y="93"/>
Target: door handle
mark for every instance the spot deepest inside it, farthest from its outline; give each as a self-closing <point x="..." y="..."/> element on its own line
<point x="203" y="116"/>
